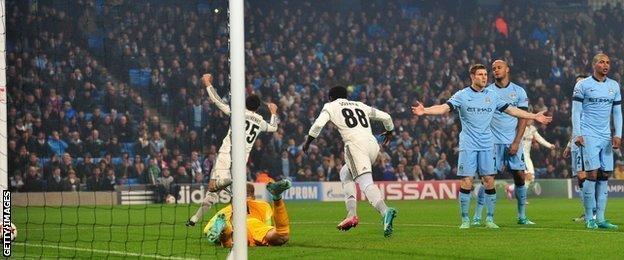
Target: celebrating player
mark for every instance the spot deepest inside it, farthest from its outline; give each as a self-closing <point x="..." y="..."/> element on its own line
<point x="260" y="232"/>
<point x="352" y="119"/>
<point x="530" y="134"/>
<point x="476" y="106"/>
<point x="594" y="100"/>
<point x="220" y="176"/>
<point x="508" y="132"/>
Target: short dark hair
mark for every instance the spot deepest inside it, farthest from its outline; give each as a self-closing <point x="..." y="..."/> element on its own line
<point x="474" y="68"/>
<point x="337" y="92"/>
<point x="251" y="190"/>
<point x="252" y="103"/>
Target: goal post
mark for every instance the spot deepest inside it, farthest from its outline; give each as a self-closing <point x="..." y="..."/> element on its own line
<point x="237" y="72"/>
<point x="4" y="167"/>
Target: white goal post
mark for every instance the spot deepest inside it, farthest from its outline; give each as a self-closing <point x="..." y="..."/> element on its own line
<point x="237" y="74"/>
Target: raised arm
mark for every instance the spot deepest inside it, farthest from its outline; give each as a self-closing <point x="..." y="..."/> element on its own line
<point x="272" y="126"/>
<point x="519" y="113"/>
<point x="212" y="93"/>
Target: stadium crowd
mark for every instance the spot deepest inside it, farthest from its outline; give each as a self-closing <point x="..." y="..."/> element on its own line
<point x="77" y="122"/>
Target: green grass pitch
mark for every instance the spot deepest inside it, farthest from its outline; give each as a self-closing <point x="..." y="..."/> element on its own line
<point x="423" y="229"/>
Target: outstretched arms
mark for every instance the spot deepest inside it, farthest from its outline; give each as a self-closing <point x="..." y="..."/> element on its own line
<point x="420" y="109"/>
<point x="519" y="113"/>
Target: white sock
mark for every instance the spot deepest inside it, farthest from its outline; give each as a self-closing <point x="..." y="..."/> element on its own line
<point x="348" y="187"/>
<point x="210" y="199"/>
<point x="373" y="194"/>
<point x="222" y="183"/>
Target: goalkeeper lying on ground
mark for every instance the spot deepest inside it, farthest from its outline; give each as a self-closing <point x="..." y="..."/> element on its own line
<point x="260" y="232"/>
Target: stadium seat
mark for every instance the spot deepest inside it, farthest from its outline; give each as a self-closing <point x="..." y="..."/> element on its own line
<point x="116" y="161"/>
<point x="132" y="181"/>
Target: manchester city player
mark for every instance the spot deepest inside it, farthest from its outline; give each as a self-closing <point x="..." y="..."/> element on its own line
<point x="594" y="100"/>
<point x="476" y="106"/>
<point x="508" y="132"/>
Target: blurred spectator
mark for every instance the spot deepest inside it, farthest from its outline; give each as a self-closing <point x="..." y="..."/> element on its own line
<point x="96" y="182"/>
<point x="72" y="182"/>
<point x="442" y="170"/>
<point x="55" y="183"/>
<point x="163" y="185"/>
<point x="57" y="145"/>
<point x="430" y="173"/>
<point x="109" y="181"/>
<point x="182" y="176"/>
<point x="113" y="147"/>
<point x="387" y="171"/>
<point x="138" y="171"/>
<point x="153" y="171"/>
<point x="85" y="168"/>
<point x="32" y="182"/>
<point x="196" y="166"/>
<point x="17" y="184"/>
<point x="400" y="174"/>
<point x="417" y="174"/>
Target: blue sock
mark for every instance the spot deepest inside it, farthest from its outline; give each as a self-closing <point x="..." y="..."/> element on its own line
<point x="521" y="197"/>
<point x="602" y="192"/>
<point x="589" y="198"/>
<point x="580" y="194"/>
<point x="464" y="204"/>
<point x="480" y="202"/>
<point x="490" y="203"/>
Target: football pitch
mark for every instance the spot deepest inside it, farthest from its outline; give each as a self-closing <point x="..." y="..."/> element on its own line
<point x="423" y="229"/>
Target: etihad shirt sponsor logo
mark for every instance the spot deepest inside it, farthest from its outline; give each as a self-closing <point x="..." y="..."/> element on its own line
<point x="479" y="109"/>
<point x="600" y="100"/>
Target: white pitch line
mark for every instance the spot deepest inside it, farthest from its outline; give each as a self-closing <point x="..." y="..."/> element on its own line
<point x="99" y="251"/>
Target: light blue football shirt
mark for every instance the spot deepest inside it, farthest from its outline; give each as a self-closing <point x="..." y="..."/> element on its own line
<point x="476" y="109"/>
<point x="504" y="125"/>
<point x="598" y="99"/>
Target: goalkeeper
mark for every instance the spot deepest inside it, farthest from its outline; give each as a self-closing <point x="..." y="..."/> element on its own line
<point x="260" y="232"/>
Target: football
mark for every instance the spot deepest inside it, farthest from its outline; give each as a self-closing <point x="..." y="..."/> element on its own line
<point x="170" y="199"/>
<point x="13" y="231"/>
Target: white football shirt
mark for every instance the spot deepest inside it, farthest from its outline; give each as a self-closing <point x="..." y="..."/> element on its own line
<point x="352" y="118"/>
<point x="254" y="124"/>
